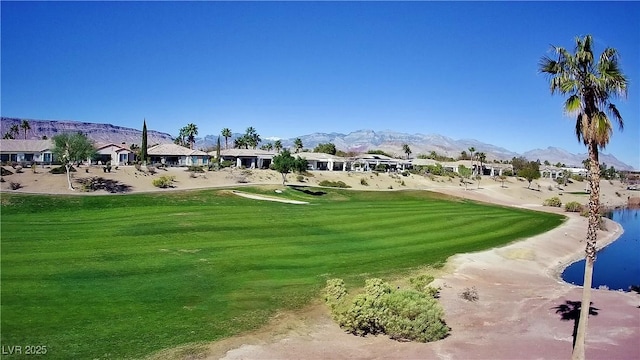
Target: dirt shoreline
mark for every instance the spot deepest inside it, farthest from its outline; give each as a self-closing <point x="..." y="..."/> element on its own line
<point x="519" y="286"/>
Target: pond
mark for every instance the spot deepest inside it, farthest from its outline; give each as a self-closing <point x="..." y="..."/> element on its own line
<point x="617" y="266"/>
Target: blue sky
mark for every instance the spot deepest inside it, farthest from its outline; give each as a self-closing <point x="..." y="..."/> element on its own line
<point x="459" y="69"/>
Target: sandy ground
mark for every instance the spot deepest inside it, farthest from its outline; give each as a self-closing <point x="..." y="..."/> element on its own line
<point x="516" y="316"/>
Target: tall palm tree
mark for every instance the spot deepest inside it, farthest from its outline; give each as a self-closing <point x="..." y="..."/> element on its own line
<point x="471" y="151"/>
<point x="406" y="149"/>
<point x="589" y="85"/>
<point x="191" y="130"/>
<point x="226" y="134"/>
<point x="25" y="127"/>
<point x="14" y="130"/>
<point x="253" y="139"/>
<point x="482" y="158"/>
<point x="278" y="145"/>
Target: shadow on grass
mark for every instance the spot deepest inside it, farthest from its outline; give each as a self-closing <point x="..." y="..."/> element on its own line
<point x="306" y="190"/>
<point x="570" y="311"/>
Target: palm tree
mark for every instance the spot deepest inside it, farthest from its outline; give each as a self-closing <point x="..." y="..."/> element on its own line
<point x="278" y="145"/>
<point x="297" y="144"/>
<point x="482" y="158"/>
<point x="191" y="130"/>
<point x="589" y="86"/>
<point x="471" y="150"/>
<point x="406" y="149"/>
<point x="253" y="139"/>
<point x="226" y="134"/>
<point x="14" y="130"/>
<point x="26" y="127"/>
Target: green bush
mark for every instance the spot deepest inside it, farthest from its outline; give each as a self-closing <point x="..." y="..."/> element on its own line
<point x="300" y="178"/>
<point x="573" y="206"/>
<point x="163" y="181"/>
<point x="401" y="314"/>
<point x="197" y="169"/>
<point x="61" y="170"/>
<point x="411" y="315"/>
<point x="337" y="184"/>
<point x="420" y="283"/>
<point x="554" y="201"/>
<point x="226" y="163"/>
<point x="364" y="182"/>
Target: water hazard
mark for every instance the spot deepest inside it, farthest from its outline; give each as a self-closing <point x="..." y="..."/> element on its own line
<point x="617" y="265"/>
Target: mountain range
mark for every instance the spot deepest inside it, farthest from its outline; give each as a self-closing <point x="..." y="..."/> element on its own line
<point x="357" y="141"/>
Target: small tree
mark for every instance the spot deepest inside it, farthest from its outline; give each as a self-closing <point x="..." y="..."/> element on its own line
<point x="70" y="148"/>
<point x="283" y="163"/>
<point x="465" y="173"/>
<point x="530" y="172"/>
<point x="328" y="148"/>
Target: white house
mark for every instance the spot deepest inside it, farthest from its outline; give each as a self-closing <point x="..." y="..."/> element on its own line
<point x="118" y="155"/>
<point x="176" y="155"/>
<point x="322" y="161"/>
<point x="368" y="162"/>
<point x="248" y="158"/>
<point x="26" y="151"/>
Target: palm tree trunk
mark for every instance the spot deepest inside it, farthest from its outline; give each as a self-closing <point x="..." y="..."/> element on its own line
<point x="590" y="251"/>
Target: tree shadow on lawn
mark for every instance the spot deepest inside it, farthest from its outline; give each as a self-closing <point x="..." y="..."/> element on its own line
<point x="570" y="310"/>
<point x="306" y="190"/>
<point x="99" y="183"/>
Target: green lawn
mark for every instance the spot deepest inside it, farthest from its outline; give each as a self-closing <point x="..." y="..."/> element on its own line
<point x="126" y="275"/>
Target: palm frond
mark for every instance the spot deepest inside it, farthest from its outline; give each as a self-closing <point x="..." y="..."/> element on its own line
<point x="573" y="104"/>
<point x="601" y="129"/>
<point x="579" y="133"/>
<point x="613" y="110"/>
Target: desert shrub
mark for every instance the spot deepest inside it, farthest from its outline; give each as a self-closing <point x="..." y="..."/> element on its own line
<point x="576" y="177"/>
<point x="401" y="314"/>
<point x="335" y="293"/>
<point x="226" y="163"/>
<point x="421" y="282"/>
<point x="151" y="169"/>
<point x="34" y="167"/>
<point x="402" y="183"/>
<point x="2" y="179"/>
<point x="14" y="185"/>
<point x="192" y="175"/>
<point x="573" y="206"/>
<point x="364" y="182"/>
<point x="554" y="201"/>
<point x="411" y="315"/>
<point x="470" y="294"/>
<point x="61" y="170"/>
<point x="163" y="181"/>
<point x="198" y="169"/>
<point x="300" y="178"/>
<point x="138" y="166"/>
<point x="381" y="168"/>
<point x="337" y="184"/>
<point x="405" y="173"/>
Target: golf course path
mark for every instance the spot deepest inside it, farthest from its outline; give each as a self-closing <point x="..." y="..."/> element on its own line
<point x="518" y="314"/>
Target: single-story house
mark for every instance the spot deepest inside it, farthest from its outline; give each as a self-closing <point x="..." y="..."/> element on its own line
<point x="117" y="154"/>
<point x="26" y="151"/>
<point x="366" y="162"/>
<point x="247" y="158"/>
<point x="322" y="161"/>
<point x="176" y="155"/>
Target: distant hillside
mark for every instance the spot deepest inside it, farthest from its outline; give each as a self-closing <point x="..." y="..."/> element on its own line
<point x="357" y="141"/>
<point x="104" y="133"/>
<point x="391" y="142"/>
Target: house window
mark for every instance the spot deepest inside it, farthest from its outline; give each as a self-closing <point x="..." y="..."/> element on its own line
<point x="46" y="157"/>
<point x="28" y="157"/>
